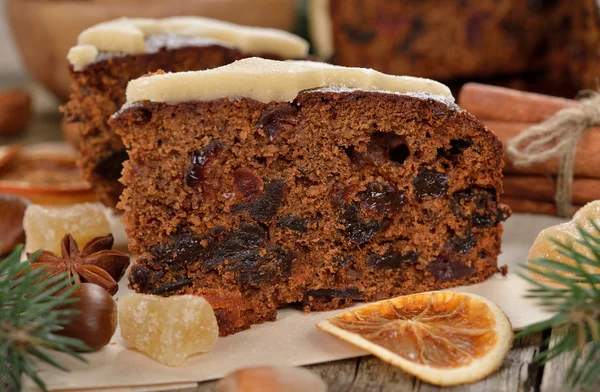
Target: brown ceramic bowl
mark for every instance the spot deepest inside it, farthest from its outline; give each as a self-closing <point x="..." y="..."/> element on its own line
<point x="46" y="29"/>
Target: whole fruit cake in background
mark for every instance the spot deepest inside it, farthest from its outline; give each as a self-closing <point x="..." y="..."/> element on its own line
<point x="264" y="183"/>
<point x="110" y="54"/>
<point x="462" y="39"/>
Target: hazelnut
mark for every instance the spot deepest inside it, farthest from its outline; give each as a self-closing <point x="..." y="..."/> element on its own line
<point x="12" y="210"/>
<point x="96" y="322"/>
<point x="15" y="111"/>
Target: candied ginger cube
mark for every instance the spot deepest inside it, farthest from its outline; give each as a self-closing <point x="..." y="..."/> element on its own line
<point x="168" y="329"/>
<point x="46" y="226"/>
<point x="543" y="246"/>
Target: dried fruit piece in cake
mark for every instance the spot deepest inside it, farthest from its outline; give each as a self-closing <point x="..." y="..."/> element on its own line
<point x="112" y="53"/>
<point x="567" y="233"/>
<point x="443" y="338"/>
<point x="267" y="183"/>
<point x="46" y="226"/>
<point x="168" y="330"/>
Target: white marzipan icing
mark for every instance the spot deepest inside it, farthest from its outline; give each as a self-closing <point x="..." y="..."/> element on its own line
<point x="272" y="81"/>
<point x="320" y="28"/>
<point x="128" y="36"/>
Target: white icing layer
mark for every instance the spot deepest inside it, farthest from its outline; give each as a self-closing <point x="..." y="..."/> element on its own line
<point x="128" y="35"/>
<point x="271" y="81"/>
<point x="321" y="30"/>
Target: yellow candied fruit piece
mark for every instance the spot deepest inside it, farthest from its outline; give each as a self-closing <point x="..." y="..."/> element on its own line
<point x="566" y="233"/>
<point x="46" y="226"/>
<point x="170" y="329"/>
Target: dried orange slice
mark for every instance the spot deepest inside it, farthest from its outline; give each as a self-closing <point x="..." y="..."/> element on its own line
<point x="45" y="173"/>
<point x="441" y="337"/>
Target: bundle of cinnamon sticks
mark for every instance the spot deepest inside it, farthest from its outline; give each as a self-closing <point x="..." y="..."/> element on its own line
<point x="531" y="188"/>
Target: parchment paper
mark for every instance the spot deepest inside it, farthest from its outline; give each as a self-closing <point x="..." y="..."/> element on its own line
<point x="292" y="340"/>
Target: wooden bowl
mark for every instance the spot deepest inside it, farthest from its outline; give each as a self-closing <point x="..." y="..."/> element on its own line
<point x="45" y="30"/>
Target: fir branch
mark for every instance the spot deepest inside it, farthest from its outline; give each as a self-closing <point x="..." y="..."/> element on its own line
<point x="31" y="314"/>
<point x="575" y="302"/>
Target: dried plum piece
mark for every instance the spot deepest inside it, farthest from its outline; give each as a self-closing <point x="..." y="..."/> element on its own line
<point x="359" y="35"/>
<point x="383" y="199"/>
<point x="168" y="287"/>
<point x="430" y="183"/>
<point x="243" y="243"/>
<point x="274" y="266"/>
<point x="273" y="119"/>
<point x="479" y="206"/>
<point x="110" y="166"/>
<point x="475" y="25"/>
<point x="180" y="248"/>
<point x="264" y="208"/>
<point x="200" y="162"/>
<point x="294" y="223"/>
<point x="320" y="299"/>
<point x="462" y="244"/>
<point x="391" y="259"/>
<point x="358" y="230"/>
<point x="448" y="267"/>
<point x="417" y="29"/>
<point x="248" y="184"/>
<point x="542" y="5"/>
<point x="144" y="277"/>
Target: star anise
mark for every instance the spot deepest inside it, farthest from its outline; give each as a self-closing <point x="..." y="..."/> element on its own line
<point x="96" y="263"/>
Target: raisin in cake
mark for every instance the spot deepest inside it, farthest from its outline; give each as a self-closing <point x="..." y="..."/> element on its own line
<point x="462" y="39"/>
<point x="110" y="54"/>
<point x="266" y="183"/>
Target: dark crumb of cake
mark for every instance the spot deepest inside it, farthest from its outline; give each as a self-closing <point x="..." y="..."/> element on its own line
<point x="316" y="205"/>
<point x="110" y="166"/>
<point x="327" y="298"/>
<point x="391" y="259"/>
<point x="447" y="267"/>
<point x="504" y="270"/>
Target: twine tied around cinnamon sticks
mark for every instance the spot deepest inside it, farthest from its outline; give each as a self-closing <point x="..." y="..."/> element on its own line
<point x="557" y="137"/>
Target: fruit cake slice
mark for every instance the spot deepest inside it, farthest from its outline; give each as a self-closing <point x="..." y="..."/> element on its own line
<point x="444" y="39"/>
<point x="112" y="53"/>
<point x="266" y="183"/>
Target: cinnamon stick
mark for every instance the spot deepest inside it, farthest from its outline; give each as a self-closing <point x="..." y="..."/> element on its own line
<point x="587" y="157"/>
<point x="532" y="206"/>
<point x="503" y="104"/>
<point x="542" y="188"/>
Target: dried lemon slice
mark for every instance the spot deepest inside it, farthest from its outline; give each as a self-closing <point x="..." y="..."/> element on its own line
<point x="441" y="337"/>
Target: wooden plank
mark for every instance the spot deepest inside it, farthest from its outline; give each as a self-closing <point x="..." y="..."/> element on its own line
<point x="375" y="375"/>
<point x="518" y="373"/>
<point x="555" y="371"/>
<point x="338" y="375"/>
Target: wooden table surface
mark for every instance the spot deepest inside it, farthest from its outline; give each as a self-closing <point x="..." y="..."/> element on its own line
<point x="518" y="373"/>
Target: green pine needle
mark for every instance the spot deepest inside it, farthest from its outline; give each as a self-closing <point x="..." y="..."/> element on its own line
<point x="575" y="302"/>
<point x="30" y="320"/>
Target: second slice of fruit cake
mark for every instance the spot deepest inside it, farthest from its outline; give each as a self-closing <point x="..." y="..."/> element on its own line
<point x="112" y="53"/>
<point x="266" y="183"/>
